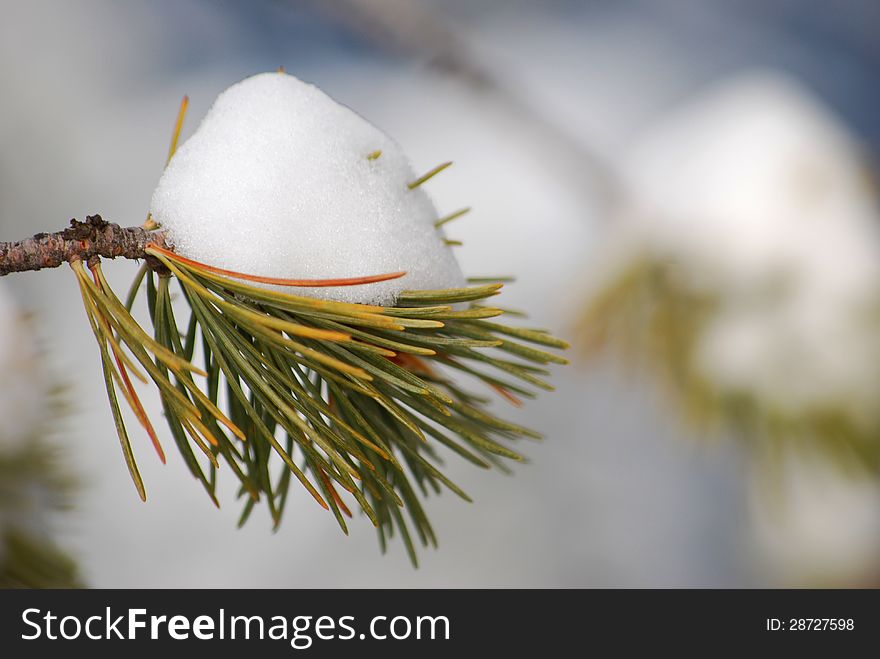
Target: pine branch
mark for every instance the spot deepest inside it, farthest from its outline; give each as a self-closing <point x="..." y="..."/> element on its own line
<point x="82" y="241"/>
<point x="351" y="400"/>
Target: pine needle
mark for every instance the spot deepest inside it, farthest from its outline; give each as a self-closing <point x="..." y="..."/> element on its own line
<point x="361" y="394"/>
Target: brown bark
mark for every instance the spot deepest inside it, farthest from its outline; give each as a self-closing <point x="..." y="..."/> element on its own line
<point x="81" y="241"/>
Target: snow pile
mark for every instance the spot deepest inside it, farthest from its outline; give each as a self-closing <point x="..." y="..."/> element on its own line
<point x="761" y="198"/>
<point x="278" y="181"/>
<point x="23" y="385"/>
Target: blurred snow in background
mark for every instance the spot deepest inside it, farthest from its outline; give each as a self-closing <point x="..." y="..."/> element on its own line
<point x="753" y="208"/>
<point x="618" y="494"/>
<point x="756" y="190"/>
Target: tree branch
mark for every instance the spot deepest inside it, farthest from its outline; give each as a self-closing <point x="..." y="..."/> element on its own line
<point x="81" y="241"/>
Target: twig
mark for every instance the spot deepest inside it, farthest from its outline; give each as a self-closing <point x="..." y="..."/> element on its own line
<point x="81" y="241"/>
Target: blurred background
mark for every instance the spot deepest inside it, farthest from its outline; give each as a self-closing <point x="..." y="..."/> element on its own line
<point x="684" y="190"/>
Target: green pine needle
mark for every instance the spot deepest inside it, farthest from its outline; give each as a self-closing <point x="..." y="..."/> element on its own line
<point x="351" y="399"/>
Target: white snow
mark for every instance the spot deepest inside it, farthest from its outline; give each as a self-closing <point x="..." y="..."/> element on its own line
<point x="761" y="196"/>
<point x="23" y="385"/>
<point x="277" y="182"/>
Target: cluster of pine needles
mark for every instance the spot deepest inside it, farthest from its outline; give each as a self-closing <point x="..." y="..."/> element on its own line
<point x="350" y="400"/>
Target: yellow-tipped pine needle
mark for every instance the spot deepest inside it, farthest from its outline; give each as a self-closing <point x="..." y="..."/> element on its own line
<point x="150" y="223"/>
<point x="452" y="216"/>
<point x="428" y="176"/>
<point x="178" y="127"/>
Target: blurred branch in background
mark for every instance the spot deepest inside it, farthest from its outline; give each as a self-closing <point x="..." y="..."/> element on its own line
<point x="33" y="485"/>
<point x="746" y="275"/>
<point x="34" y="482"/>
<point x="747" y="270"/>
<point x="814" y="523"/>
<point x="413" y="29"/>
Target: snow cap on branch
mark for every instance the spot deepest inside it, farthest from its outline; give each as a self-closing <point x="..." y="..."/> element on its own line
<point x="282" y="181"/>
